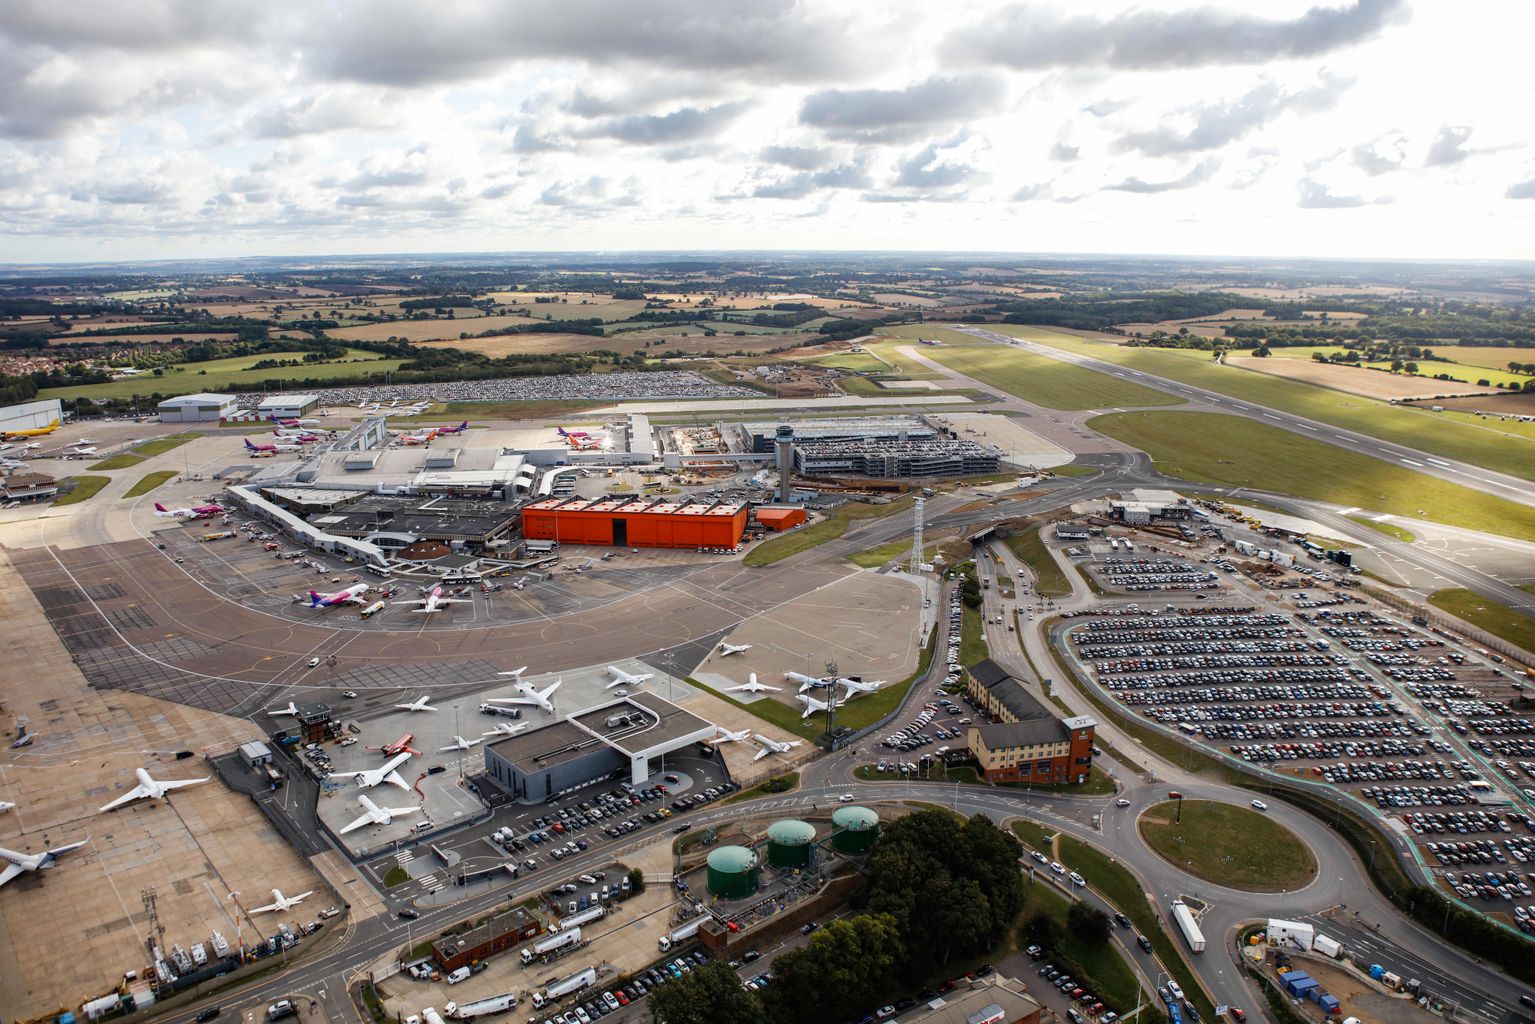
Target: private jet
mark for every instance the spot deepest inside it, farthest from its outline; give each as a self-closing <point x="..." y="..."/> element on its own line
<point x="6" y="805"/>
<point x="728" y="649"/>
<point x="507" y="729"/>
<point x="856" y="686"/>
<point x="149" y="789"/>
<point x="726" y="736"/>
<point x="622" y="678"/>
<point x="419" y="704"/>
<point x="773" y="746"/>
<point x="291" y="709"/>
<point x="281" y="902"/>
<point x="370" y="777"/>
<point x="373" y="814"/>
<point x="807" y="682"/>
<point x="20" y="863"/>
<point x="459" y="743"/>
<point x="89" y="449"/>
<point x="811" y="704"/>
<point x="434" y="602"/>
<point x="399" y="746"/>
<point x="752" y="686"/>
<point x="529" y="694"/>
<point x="191" y="512"/>
<point x="351" y="595"/>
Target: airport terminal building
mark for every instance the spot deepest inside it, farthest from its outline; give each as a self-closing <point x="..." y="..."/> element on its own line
<point x="619" y="738"/>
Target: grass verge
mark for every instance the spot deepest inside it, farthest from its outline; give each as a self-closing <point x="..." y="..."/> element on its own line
<point x="1074" y="470"/>
<point x="1046" y="381"/>
<point x="1230" y="845"/>
<point x="1099" y="968"/>
<point x="1029" y="547"/>
<point x="1238" y="452"/>
<point x="972" y="636"/>
<point x="150" y="482"/>
<point x="395" y="876"/>
<point x="785" y="783"/>
<point x="85" y="488"/>
<point x="1389" y="529"/>
<point x="1498" y="619"/>
<point x="873" y="558"/>
<point x="829" y="528"/>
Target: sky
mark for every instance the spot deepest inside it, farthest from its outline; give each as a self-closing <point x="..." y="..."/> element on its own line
<point x="165" y="129"/>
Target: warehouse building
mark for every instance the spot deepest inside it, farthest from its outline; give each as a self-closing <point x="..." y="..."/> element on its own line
<point x="1142" y="506"/>
<point x="196" y="408"/>
<point x="894" y="458"/>
<point x="496" y="935"/>
<point x="615" y="739"/>
<point x="634" y="522"/>
<point x="287" y="407"/>
<point x="1028" y="743"/>
<point x="31" y="415"/>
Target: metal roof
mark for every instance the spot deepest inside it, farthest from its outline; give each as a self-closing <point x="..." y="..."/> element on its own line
<point x="732" y="858"/>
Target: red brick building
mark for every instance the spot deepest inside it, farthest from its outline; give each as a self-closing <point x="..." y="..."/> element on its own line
<point x="1027" y="742"/>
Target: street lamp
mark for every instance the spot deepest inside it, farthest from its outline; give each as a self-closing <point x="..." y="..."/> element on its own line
<point x="456" y="737"/>
<point x="234" y="896"/>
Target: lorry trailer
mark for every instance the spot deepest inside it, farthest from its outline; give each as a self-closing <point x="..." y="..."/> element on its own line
<point x="431" y="1016"/>
<point x="681" y="933"/>
<point x="564" y="987"/>
<point x="1188" y="926"/>
<point x="551" y="946"/>
<point x="480" y="1007"/>
<point x="582" y="917"/>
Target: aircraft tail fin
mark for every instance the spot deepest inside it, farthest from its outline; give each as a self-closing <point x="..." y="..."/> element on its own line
<point x="314" y="599"/>
<point x="159" y="507"/>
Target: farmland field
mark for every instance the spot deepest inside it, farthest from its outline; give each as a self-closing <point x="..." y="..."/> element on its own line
<point x="232" y="374"/>
<point x="566" y="344"/>
<point x="428" y="330"/>
<point x="1049" y="382"/>
<point x="1235" y="451"/>
<point x="1355" y="380"/>
<point x="1461" y="437"/>
<point x="187" y="334"/>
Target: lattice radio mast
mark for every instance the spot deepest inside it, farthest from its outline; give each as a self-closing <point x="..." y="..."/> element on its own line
<point x="916" y="539"/>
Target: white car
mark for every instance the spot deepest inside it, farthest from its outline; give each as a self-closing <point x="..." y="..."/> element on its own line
<point x="1121" y="802"/>
<point x="1259" y="805"/>
<point x="314" y="662"/>
<point x="845" y="798"/>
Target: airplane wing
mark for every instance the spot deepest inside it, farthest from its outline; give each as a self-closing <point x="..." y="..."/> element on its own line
<point x="10" y="872"/>
<point x="359" y="823"/>
<point x="136" y="793"/>
<point x="510" y="700"/>
<point x="761" y="753"/>
<point x="178" y="783"/>
<point x="394" y="779"/>
<point x="263" y="910"/>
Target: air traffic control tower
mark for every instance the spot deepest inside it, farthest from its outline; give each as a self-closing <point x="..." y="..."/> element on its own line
<point x="785" y="442"/>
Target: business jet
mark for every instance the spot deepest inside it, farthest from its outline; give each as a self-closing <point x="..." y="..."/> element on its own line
<point x="728" y="649"/>
<point x="351" y="595"/>
<point x="272" y="447"/>
<point x="291" y="709"/>
<point x="370" y="777"/>
<point x="459" y="743"/>
<point x="855" y="686"/>
<point x="807" y="682"/>
<point x="726" y="736"/>
<point x="20" y="863"/>
<point x="811" y="704"/>
<point x="399" y="746"/>
<point x="149" y="789"/>
<point x="89" y="449"/>
<point x="373" y="814"/>
<point x="506" y="729"/>
<point x="6" y="805"/>
<point x="419" y="704"/>
<point x="752" y="686"/>
<point x="11" y="435"/>
<point x="773" y="746"/>
<point x="529" y="694"/>
<point x="622" y="678"/>
<point x="435" y="602"/>
<point x="281" y="902"/>
<point x="191" y="512"/>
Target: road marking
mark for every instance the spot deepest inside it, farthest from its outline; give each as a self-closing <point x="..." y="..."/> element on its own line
<point x="1411" y="463"/>
<point x="1271" y="416"/>
<point x="1436" y="462"/>
<point x="1242" y="407"/>
<point x="1305" y="426"/>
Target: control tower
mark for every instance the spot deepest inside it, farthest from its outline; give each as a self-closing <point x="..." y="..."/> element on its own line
<point x="784" y="440"/>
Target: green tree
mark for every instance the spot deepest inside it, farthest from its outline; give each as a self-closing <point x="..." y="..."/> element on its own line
<point x="636" y="881"/>
<point x="1089" y="924"/>
<point x="1042" y="930"/>
<point x="1411" y="367"/>
<point x="706" y="995"/>
<point x="845" y="967"/>
<point x="1262" y="352"/>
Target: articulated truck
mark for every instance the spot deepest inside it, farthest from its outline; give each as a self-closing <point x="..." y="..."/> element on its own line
<point x="551" y="946"/>
<point x="583" y="917"/>
<point x="681" y="933"/>
<point x="564" y="987"/>
<point x="480" y="1007"/>
<point x="1188" y="926"/>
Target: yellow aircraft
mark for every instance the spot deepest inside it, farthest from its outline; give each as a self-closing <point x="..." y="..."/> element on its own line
<point x="39" y="432"/>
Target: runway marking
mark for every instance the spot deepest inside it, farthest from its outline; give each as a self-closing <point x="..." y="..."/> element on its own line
<point x="1410" y="462"/>
<point x="1436" y="462"/>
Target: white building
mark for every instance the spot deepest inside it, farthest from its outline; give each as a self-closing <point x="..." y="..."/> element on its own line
<point x="287" y="406"/>
<point x="196" y="408"/>
<point x="31" y="415"/>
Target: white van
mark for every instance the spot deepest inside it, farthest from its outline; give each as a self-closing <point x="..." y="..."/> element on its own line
<point x="458" y="975"/>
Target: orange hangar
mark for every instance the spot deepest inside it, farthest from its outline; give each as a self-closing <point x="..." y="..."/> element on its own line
<point x="636" y="523"/>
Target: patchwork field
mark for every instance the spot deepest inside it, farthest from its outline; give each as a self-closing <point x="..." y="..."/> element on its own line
<point x="232" y="374"/>
<point x="1355" y="380"/>
<point x="1048" y="382"/>
<point x="188" y="334"/>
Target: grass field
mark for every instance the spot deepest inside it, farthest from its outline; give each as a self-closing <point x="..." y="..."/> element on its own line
<point x="972" y="636"/>
<point x="873" y="558"/>
<point x="149" y="449"/>
<point x="1230" y="845"/>
<point x="150" y="482"/>
<point x="1238" y="452"/>
<point x="1099" y="968"/>
<point x="1468" y="363"/>
<point x="1050" y="581"/>
<point x="1498" y="619"/>
<point x="85" y="489"/>
<point x="1046" y="381"/>
<point x="1452" y="436"/>
<point x="457" y="411"/>
<point x="1389" y="529"/>
<point x="785" y="783"/>
<point x="1075" y="470"/>
<point x="232" y="374"/>
<point x="859" y="362"/>
<point x="829" y="528"/>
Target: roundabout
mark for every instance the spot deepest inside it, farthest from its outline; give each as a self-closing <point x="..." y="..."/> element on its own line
<point x="1231" y="846"/>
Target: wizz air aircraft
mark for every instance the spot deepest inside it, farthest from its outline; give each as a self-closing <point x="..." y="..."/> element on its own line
<point x="281" y="902"/>
<point x="434" y="601"/>
<point x="291" y="423"/>
<point x="192" y="512"/>
<point x="149" y="789"/>
<point x="370" y="777"/>
<point x="622" y="678"/>
<point x="528" y="694"/>
<point x="752" y="686"/>
<point x="773" y="746"/>
<point x="351" y="595"/>
<point x="272" y="447"/>
<point x="20" y="863"/>
<point x="729" y="649"/>
<point x="298" y="436"/>
<point x="454" y="430"/>
<point x="373" y="814"/>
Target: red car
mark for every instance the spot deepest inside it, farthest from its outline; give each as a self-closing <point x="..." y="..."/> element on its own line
<point x="1237" y="1015"/>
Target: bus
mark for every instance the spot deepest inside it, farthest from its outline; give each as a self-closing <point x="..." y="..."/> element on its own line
<point x="379" y="570"/>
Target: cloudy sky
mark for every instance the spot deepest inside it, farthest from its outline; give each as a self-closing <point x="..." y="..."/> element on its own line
<point x="162" y="128"/>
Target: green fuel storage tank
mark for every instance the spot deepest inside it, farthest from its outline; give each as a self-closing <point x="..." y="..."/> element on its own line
<point x="790" y="843"/>
<point x="732" y="872"/>
<point x="857" y="828"/>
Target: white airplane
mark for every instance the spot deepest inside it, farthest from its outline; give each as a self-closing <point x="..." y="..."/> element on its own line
<point x="351" y="595"/>
<point x="291" y="709"/>
<point x="370" y="777"/>
<point x="854" y="686"/>
<point x="419" y="704"/>
<point x="507" y="729"/>
<point x="281" y="902"/>
<point x="811" y="704"/>
<point x="6" y="805"/>
<point x="459" y="743"/>
<point x="528" y="694"/>
<point x="20" y="863"/>
<point x="807" y="682"/>
<point x="752" y="686"/>
<point x="434" y="601"/>
<point x="773" y="746"/>
<point x="89" y="449"/>
<point x="149" y="789"/>
<point x="622" y="678"/>
<point x="728" y="649"/>
<point x="726" y="736"/>
<point x="373" y="814"/>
